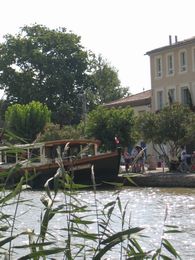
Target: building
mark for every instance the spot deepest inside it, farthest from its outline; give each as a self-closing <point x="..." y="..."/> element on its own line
<point x="173" y="73"/>
<point x="140" y="102"/>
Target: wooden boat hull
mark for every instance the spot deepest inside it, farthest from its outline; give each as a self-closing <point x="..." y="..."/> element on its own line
<point x="104" y="166"/>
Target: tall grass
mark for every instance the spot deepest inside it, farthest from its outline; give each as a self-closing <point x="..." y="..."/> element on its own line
<point x="76" y="239"/>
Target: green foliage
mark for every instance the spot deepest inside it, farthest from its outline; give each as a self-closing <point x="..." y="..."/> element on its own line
<point x="174" y="125"/>
<point x="146" y="124"/>
<point x="44" y="65"/>
<point x="26" y="121"/>
<point x="52" y="67"/>
<point x="3" y="107"/>
<point x="104" y="124"/>
<point x="170" y="124"/>
<point x="55" y="132"/>
<point x="105" y="84"/>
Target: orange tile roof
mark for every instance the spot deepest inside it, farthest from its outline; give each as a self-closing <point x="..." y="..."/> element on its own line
<point x="139" y="99"/>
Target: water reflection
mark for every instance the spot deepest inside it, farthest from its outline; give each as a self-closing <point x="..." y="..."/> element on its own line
<point x="147" y="207"/>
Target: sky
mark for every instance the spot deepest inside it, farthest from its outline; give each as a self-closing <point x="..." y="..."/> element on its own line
<point x="121" y="31"/>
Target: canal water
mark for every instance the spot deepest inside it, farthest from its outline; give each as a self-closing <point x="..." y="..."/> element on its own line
<point x="149" y="208"/>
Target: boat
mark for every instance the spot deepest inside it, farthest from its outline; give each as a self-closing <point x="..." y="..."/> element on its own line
<point x="41" y="161"/>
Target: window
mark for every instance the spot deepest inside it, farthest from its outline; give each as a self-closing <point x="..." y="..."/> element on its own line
<point x="11" y="157"/>
<point x="183" y="61"/>
<point x="170" y="65"/>
<point x="158" y="66"/>
<point x="171" y="96"/>
<point x="22" y="155"/>
<point x="159" y="100"/>
<point x="35" y="154"/>
<point x="186" y="96"/>
<point x="3" y="157"/>
<point x="193" y="58"/>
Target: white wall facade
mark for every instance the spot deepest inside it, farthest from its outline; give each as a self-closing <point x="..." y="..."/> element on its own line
<point x="172" y="73"/>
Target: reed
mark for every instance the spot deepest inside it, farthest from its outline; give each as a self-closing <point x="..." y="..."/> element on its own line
<point x="76" y="238"/>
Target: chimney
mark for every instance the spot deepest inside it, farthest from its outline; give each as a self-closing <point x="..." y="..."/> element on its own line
<point x="170" y="40"/>
<point x="175" y="38"/>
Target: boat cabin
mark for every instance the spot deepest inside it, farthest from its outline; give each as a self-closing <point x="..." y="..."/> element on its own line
<point x="47" y="152"/>
<point x="20" y="153"/>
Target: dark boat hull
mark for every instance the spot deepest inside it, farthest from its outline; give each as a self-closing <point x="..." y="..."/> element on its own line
<point x="97" y="170"/>
<point x="104" y="168"/>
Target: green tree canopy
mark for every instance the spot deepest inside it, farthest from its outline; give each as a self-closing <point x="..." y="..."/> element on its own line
<point x="54" y="132"/>
<point x="26" y="121"/>
<point x="105" y="84"/>
<point x="173" y="126"/>
<point x="43" y="65"/>
<point x="104" y="124"/>
<point x="52" y="67"/>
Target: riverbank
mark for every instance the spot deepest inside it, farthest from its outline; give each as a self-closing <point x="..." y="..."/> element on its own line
<point x="158" y="178"/>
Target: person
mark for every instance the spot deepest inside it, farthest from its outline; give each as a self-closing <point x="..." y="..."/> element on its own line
<point x="139" y="159"/>
<point x="144" y="147"/>
<point x="183" y="166"/>
<point x="117" y="141"/>
<point x="127" y="159"/>
<point x="134" y="154"/>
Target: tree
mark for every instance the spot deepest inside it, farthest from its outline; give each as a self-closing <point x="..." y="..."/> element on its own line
<point x="26" y="121"/>
<point x="172" y="127"/>
<point x="106" y="124"/>
<point x="104" y="82"/>
<point x="52" y="67"/>
<point x="43" y="65"/>
<point x="54" y="132"/>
